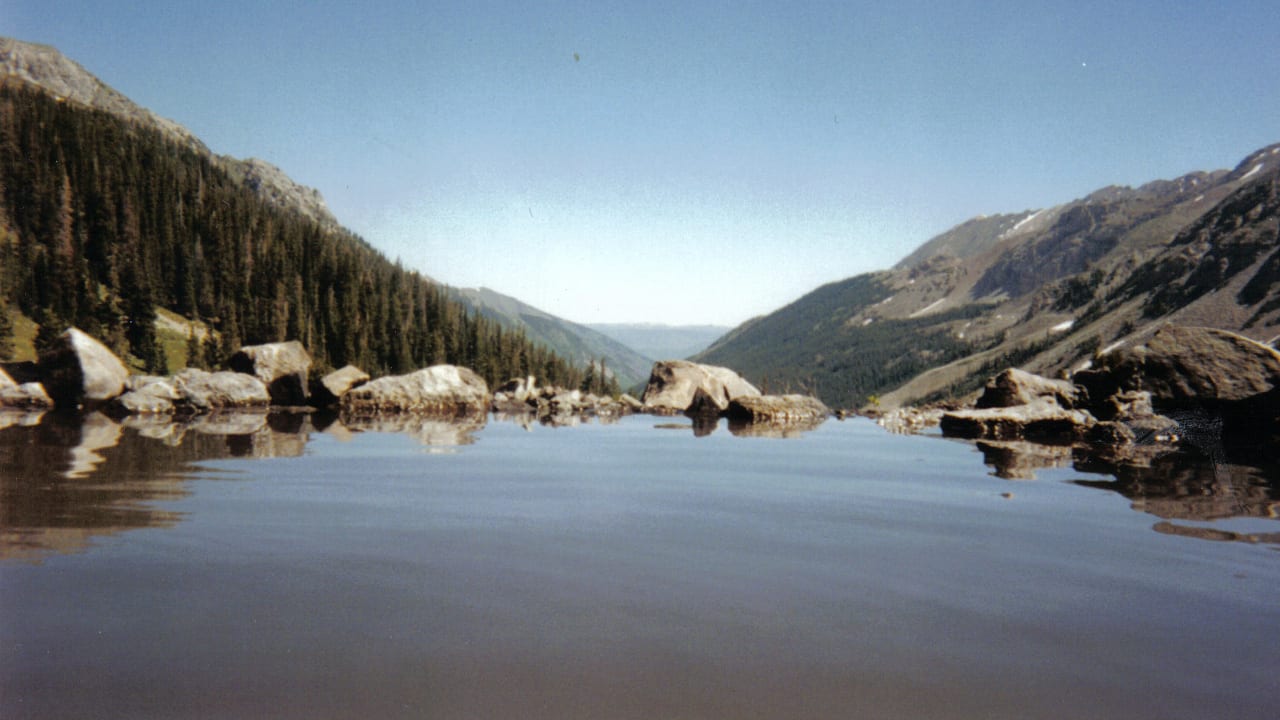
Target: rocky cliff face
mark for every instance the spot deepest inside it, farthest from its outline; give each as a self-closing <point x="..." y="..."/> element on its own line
<point x="46" y="68"/>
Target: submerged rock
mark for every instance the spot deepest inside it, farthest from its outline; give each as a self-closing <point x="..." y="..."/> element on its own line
<point x="675" y="385"/>
<point x="78" y="369"/>
<point x="442" y="389"/>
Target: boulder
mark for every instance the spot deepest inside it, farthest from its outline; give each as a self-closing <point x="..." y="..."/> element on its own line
<point x="329" y="389"/>
<point x="282" y="367"/>
<point x="215" y="390"/>
<point x="909" y="420"/>
<point x="630" y="403"/>
<point x="1205" y="378"/>
<point x="441" y="389"/>
<point x="519" y="390"/>
<point x="1042" y="420"/>
<point x="136" y="402"/>
<point x="27" y="396"/>
<point x="777" y="409"/>
<point x="161" y="387"/>
<point x="77" y="369"/>
<point x="1187" y="367"/>
<point x="569" y="402"/>
<point x="1017" y="387"/>
<point x="675" y="384"/>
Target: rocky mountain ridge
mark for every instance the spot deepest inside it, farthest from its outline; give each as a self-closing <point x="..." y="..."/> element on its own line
<point x="1044" y="290"/>
<point x="47" y="68"/>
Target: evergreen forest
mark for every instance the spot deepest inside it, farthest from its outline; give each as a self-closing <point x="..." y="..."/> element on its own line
<point x="103" y="221"/>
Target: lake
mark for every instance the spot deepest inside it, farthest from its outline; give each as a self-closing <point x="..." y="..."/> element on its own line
<point x="257" y="567"/>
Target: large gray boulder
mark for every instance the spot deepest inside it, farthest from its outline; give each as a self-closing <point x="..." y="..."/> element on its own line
<point x="329" y="389"/>
<point x="677" y="385"/>
<point x="777" y="409"/>
<point x="1014" y="387"/>
<point x="281" y="366"/>
<point x="77" y="369"/>
<point x="441" y="389"/>
<point x="206" y="391"/>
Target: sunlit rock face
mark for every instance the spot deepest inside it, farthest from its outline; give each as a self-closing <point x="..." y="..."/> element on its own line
<point x="22" y="396"/>
<point x="328" y="390"/>
<point x="206" y="391"/>
<point x="437" y="389"/>
<point x="675" y="385"/>
<point x="79" y="369"/>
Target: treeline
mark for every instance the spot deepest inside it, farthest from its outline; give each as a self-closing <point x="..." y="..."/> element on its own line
<point x="102" y="221"/>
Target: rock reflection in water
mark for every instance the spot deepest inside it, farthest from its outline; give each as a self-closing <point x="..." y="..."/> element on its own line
<point x="434" y="431"/>
<point x="1161" y="480"/>
<point x="791" y="429"/>
<point x="1019" y="459"/>
<point x="1188" y="486"/>
<point x="66" y="479"/>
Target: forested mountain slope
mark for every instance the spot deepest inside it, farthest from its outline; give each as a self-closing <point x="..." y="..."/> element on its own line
<point x="104" y="219"/>
<point x="1042" y="290"/>
<point x="578" y="343"/>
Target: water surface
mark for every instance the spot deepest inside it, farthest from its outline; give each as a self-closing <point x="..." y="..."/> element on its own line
<point x="257" y="567"/>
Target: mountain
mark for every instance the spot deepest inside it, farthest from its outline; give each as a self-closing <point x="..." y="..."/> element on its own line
<point x="579" y="344"/>
<point x="111" y="219"/>
<point x="45" y="67"/>
<point x="663" y="342"/>
<point x="1042" y="290"/>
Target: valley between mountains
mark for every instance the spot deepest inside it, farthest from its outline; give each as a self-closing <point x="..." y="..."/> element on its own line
<point x="106" y="222"/>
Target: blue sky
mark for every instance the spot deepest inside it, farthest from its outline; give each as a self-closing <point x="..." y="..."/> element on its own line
<point x="686" y="162"/>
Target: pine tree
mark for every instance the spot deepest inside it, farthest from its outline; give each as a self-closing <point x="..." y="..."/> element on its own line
<point x="6" y="331"/>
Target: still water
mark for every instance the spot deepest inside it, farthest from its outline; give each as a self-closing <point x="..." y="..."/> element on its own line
<point x="256" y="567"/>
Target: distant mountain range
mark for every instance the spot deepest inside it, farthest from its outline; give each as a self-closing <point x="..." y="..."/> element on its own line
<point x="630" y="349"/>
<point x="1043" y="290"/>
<point x="578" y="343"/>
<point x="663" y="342"/>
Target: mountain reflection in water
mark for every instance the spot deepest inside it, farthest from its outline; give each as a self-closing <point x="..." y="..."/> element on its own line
<point x="67" y="478"/>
